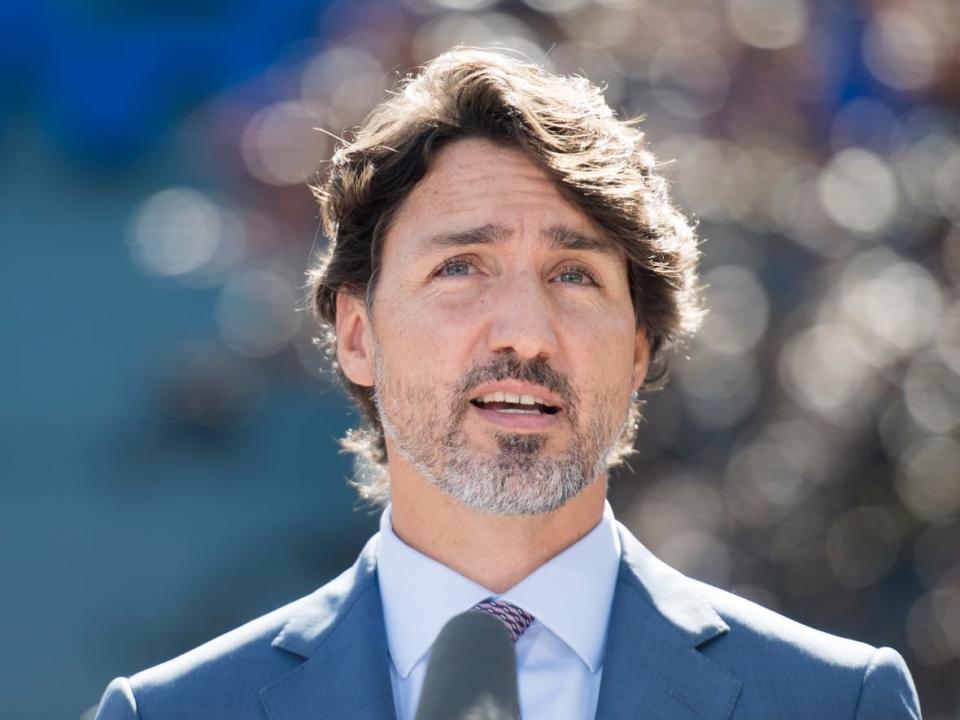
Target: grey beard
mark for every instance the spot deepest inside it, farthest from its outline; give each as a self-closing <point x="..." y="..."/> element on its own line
<point x="516" y="481"/>
<point x="519" y="480"/>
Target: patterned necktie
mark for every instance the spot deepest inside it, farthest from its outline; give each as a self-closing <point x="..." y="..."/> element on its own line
<point x="516" y="619"/>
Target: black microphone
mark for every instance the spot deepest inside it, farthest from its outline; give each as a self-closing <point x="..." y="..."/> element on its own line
<point x="472" y="673"/>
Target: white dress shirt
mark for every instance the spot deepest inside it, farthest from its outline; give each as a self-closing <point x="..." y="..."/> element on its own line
<point x="559" y="657"/>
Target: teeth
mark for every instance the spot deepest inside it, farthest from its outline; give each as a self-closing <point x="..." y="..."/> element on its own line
<point x="513" y="398"/>
<point x="520" y="411"/>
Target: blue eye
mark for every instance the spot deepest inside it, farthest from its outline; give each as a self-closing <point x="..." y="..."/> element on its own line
<point x="573" y="276"/>
<point x="457" y="267"/>
<point x="576" y="276"/>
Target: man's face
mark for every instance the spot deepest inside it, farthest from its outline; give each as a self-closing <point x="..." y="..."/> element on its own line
<point x="503" y="334"/>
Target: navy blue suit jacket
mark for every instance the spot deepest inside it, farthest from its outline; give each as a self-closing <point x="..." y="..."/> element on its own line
<point x="676" y="648"/>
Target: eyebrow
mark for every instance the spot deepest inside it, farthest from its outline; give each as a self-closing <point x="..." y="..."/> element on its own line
<point x="488" y="234"/>
<point x="566" y="238"/>
<point x="560" y="237"/>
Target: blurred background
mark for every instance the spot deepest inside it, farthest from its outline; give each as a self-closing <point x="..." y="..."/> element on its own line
<point x="169" y="461"/>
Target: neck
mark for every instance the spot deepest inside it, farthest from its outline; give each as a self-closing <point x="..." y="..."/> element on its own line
<point x="494" y="551"/>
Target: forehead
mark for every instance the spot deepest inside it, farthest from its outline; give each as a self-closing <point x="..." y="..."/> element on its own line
<point x="475" y="182"/>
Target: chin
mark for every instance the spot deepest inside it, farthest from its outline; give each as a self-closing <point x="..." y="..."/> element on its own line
<point x="513" y="485"/>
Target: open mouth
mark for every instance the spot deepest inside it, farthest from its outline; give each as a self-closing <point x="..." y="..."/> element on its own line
<point x="518" y="404"/>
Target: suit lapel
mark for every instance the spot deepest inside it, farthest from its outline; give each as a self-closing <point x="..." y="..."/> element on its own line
<point x="652" y="666"/>
<point x="340" y="634"/>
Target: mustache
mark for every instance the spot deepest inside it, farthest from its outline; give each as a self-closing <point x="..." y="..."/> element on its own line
<point x="507" y="366"/>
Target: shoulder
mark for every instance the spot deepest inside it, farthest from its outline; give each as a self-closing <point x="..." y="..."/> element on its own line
<point x="224" y="676"/>
<point x="755" y="626"/>
<point x="221" y="678"/>
<point x="776" y="637"/>
<point x="782" y="666"/>
<point x="799" y="663"/>
<point x="237" y="660"/>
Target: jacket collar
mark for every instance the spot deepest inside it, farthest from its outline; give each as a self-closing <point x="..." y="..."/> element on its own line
<point x="339" y="631"/>
<point x="653" y="666"/>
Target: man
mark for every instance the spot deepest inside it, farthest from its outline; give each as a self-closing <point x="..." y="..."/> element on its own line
<point x="505" y="272"/>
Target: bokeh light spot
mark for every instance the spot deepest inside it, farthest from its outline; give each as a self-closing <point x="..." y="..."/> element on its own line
<point x="689" y="79"/>
<point x="281" y="144"/>
<point x="739" y="310"/>
<point x="490" y="29"/>
<point x="175" y="231"/>
<point x="858" y="190"/>
<point x="347" y="79"/>
<point x="932" y="394"/>
<point x="948" y="338"/>
<point x="719" y="390"/>
<point x="928" y="480"/>
<point x="768" y="24"/>
<point x="825" y="369"/>
<point x="900" y="49"/>
<point x="556" y="7"/>
<point x="896" y="302"/>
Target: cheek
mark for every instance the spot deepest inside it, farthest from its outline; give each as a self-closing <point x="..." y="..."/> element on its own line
<point x="444" y="321"/>
<point x="424" y="343"/>
<point x="606" y="354"/>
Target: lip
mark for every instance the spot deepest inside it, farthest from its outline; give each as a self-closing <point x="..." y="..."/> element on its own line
<point x="518" y="422"/>
<point x="519" y="388"/>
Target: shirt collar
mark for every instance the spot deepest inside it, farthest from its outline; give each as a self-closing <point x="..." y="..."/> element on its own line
<point x="571" y="594"/>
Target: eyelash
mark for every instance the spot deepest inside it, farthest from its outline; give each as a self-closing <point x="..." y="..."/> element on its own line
<point x="467" y="261"/>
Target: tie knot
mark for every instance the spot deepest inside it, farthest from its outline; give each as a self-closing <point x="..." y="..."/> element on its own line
<point x="516" y="619"/>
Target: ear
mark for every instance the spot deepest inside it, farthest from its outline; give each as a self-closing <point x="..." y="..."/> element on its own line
<point x="354" y="340"/>
<point x="641" y="358"/>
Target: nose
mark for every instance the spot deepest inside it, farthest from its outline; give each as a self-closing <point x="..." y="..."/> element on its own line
<point x="523" y="319"/>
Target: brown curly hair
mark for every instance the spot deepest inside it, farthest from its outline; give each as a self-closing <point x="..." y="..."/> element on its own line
<point x="599" y="163"/>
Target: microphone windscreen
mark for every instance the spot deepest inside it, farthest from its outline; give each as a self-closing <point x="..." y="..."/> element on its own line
<point x="472" y="673"/>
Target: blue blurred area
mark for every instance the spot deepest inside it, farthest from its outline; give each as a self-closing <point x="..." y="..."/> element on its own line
<point x="126" y="535"/>
<point x="107" y="78"/>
